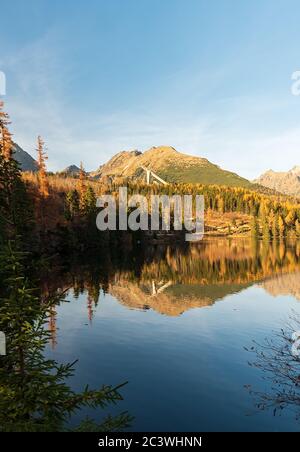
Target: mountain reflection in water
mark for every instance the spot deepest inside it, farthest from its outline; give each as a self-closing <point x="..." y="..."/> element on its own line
<point x="174" y="322"/>
<point x="174" y="280"/>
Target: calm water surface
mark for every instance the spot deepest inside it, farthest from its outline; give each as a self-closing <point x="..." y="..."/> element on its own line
<point x="174" y="324"/>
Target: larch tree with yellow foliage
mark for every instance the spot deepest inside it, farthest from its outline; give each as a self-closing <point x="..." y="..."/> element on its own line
<point x="81" y="185"/>
<point x="297" y="227"/>
<point x="5" y="135"/>
<point x="7" y="144"/>
<point x="42" y="169"/>
<point x="281" y="226"/>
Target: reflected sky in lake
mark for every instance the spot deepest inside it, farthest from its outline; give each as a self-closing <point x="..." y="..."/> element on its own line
<point x="174" y="325"/>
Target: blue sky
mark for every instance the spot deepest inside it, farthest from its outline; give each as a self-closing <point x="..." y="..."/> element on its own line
<point x="211" y="78"/>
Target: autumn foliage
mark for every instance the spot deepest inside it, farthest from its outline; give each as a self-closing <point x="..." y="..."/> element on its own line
<point x="42" y="169"/>
<point x="5" y="135"/>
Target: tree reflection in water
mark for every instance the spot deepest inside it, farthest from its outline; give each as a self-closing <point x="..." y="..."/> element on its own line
<point x="172" y="280"/>
<point x="279" y="360"/>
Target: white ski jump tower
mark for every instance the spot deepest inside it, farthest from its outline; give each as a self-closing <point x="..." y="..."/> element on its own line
<point x="150" y="173"/>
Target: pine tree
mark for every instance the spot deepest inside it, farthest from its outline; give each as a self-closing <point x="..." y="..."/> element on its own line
<point x="89" y="202"/>
<point x="33" y="389"/>
<point x="72" y="205"/>
<point x="88" y="212"/>
<point x="15" y="207"/>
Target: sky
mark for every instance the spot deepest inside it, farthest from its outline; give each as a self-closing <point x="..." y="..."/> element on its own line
<point x="210" y="78"/>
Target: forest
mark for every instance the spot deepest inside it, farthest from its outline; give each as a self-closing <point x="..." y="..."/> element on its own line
<point x="45" y="217"/>
<point x="34" y="392"/>
<point x="69" y="205"/>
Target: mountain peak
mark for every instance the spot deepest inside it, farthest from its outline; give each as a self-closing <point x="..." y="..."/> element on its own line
<point x="171" y="165"/>
<point x="283" y="182"/>
<point x="71" y="170"/>
<point x="27" y="163"/>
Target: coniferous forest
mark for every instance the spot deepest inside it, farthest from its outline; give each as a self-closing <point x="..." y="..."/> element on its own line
<point x="149" y="221"/>
<point x="34" y="392"/>
<point x="49" y="219"/>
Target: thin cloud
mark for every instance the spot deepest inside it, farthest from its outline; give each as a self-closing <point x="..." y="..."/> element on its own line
<point x="239" y="133"/>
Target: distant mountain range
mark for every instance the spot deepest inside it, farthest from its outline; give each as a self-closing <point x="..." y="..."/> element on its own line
<point x="174" y="166"/>
<point x="283" y="182"/>
<point x="170" y="165"/>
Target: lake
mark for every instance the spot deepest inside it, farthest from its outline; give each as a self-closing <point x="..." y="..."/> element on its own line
<point x="174" y="322"/>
